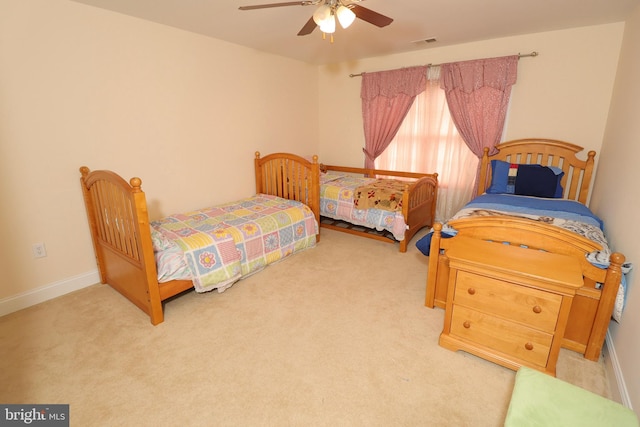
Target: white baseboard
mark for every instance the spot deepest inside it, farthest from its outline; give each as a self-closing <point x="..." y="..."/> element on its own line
<point x="612" y="366"/>
<point x="47" y="292"/>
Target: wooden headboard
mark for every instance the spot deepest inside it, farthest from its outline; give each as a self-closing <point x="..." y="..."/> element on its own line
<point x="547" y="152"/>
<point x="291" y="177"/>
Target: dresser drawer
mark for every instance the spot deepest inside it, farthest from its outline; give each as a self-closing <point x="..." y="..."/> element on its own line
<point x="501" y="335"/>
<point x="533" y="307"/>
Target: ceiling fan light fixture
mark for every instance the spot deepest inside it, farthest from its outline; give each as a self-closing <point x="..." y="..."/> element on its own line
<point x="322" y="14"/>
<point x="345" y="16"/>
<point x="346" y="11"/>
<point x="329" y="25"/>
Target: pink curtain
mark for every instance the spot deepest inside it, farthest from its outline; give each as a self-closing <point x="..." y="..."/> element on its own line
<point x="428" y="142"/>
<point x="478" y="96"/>
<point x="386" y="99"/>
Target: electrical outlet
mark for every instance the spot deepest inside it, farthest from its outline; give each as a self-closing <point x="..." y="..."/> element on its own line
<point x="39" y="250"/>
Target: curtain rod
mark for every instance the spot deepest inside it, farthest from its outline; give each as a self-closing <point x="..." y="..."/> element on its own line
<point x="520" y="55"/>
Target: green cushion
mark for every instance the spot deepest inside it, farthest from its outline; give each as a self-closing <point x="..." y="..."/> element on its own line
<point x="541" y="400"/>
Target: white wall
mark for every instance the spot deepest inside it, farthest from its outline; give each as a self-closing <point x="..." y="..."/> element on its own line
<point x="616" y="199"/>
<point x="563" y="93"/>
<point x="84" y="86"/>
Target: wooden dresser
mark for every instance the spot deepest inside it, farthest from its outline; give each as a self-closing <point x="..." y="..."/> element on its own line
<point x="508" y="304"/>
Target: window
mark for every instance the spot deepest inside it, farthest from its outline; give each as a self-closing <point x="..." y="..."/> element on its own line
<point x="428" y="142"/>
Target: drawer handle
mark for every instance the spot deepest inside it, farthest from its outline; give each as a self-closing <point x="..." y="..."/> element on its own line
<point x="537" y="309"/>
<point x="471" y="291"/>
<point x="528" y="346"/>
<point x="466" y="324"/>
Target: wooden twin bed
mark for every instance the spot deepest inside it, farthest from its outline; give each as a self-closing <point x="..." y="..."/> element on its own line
<point x="416" y="208"/>
<point x="126" y="243"/>
<point x="593" y="304"/>
<point x="121" y="231"/>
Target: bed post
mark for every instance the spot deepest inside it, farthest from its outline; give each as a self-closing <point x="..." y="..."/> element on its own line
<point x="314" y="193"/>
<point x="588" y="171"/>
<point x="483" y="176"/>
<point x="93" y="226"/>
<point x="148" y="260"/>
<point x="605" y="307"/>
<point x="434" y="205"/>
<point x="258" y="172"/>
<point x="432" y="273"/>
<point x="406" y="204"/>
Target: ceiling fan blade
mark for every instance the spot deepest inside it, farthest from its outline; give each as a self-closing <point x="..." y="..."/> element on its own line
<point x="308" y="27"/>
<point x="265" y="6"/>
<point x="370" y="16"/>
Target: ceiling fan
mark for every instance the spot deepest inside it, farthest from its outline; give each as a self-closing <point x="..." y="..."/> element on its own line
<point x="327" y="12"/>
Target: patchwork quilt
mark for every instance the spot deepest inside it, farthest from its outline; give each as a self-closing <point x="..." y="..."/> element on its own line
<point x="217" y="246"/>
<point x="337" y="202"/>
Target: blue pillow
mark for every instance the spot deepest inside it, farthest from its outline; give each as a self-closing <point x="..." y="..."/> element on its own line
<point x="525" y="180"/>
<point x="499" y="178"/>
<point x="424" y="244"/>
<point x="559" y="173"/>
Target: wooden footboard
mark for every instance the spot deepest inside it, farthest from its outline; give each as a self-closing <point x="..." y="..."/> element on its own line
<point x="593" y="304"/>
<point x="121" y="233"/>
<point x="419" y="206"/>
<point x="418" y="201"/>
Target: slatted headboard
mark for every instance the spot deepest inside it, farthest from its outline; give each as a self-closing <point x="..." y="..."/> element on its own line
<point x="547" y="152"/>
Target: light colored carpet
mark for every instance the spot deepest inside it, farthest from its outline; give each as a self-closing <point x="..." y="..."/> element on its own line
<point x="335" y="336"/>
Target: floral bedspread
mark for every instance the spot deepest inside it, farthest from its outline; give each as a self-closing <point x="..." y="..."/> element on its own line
<point x="217" y="246"/>
<point x="337" y="202"/>
<point x="383" y="194"/>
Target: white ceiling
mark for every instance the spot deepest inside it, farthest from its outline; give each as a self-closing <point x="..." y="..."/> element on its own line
<point x="274" y="30"/>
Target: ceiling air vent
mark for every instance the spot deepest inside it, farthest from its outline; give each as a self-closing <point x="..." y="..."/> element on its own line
<point x="425" y="41"/>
